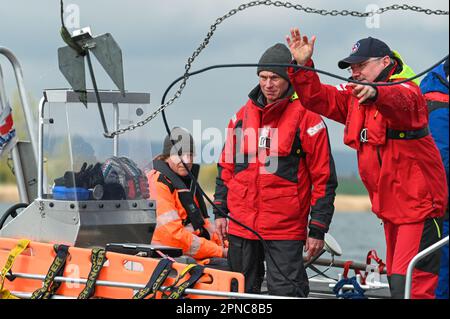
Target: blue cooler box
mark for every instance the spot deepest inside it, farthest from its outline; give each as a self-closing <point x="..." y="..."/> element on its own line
<point x="72" y="193"/>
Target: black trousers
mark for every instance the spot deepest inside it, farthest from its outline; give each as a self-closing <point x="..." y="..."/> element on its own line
<point x="247" y="257"/>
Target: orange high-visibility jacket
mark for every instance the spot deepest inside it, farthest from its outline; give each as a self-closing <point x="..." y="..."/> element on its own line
<point x="170" y="217"/>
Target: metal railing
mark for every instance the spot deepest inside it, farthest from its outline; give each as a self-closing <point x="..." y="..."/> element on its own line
<point x="106" y="283"/>
<point x="424" y="253"/>
<point x="28" y="117"/>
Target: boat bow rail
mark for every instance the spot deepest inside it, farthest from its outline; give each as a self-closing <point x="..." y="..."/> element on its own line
<point x="23" y="153"/>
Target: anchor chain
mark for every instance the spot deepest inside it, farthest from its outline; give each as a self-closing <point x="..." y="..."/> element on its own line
<point x="251" y="4"/>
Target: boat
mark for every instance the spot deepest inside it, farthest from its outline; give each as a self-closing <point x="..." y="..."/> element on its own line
<point x="54" y="237"/>
<point x="46" y="216"/>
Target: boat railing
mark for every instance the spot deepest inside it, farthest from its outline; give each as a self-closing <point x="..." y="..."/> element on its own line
<point x="424" y="253"/>
<point x="127" y="285"/>
<point x="29" y="119"/>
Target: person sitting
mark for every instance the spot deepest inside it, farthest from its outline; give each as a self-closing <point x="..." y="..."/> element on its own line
<point x="182" y="220"/>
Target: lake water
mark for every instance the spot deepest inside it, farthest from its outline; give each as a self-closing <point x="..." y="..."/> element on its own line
<point x="356" y="233"/>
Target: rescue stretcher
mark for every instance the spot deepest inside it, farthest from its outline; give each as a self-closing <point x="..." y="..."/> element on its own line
<point x="121" y="276"/>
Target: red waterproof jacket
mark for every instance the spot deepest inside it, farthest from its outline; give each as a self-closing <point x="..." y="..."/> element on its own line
<point x="405" y="178"/>
<point x="275" y="170"/>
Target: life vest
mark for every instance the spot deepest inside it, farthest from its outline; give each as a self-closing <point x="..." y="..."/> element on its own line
<point x="360" y="130"/>
<point x="266" y="179"/>
<point x="406" y="72"/>
<point x="196" y="213"/>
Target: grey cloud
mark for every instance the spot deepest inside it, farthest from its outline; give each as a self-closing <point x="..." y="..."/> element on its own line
<point x="158" y="36"/>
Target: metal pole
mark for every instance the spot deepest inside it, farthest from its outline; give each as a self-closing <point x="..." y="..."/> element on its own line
<point x="424" y="253"/>
<point x="140" y="286"/>
<point x="18" y="173"/>
<point x="97" y="95"/>
<point x="340" y="264"/>
<point x="23" y="97"/>
<point x="27" y="295"/>
<point x="116" y="127"/>
<point x="40" y="161"/>
<point x="313" y="259"/>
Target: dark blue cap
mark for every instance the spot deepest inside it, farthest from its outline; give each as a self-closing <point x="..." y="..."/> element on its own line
<point x="365" y="49"/>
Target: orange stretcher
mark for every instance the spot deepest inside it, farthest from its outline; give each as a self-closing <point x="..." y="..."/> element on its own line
<point x="37" y="258"/>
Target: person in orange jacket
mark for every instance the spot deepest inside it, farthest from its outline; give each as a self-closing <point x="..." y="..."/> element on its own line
<point x="181" y="215"/>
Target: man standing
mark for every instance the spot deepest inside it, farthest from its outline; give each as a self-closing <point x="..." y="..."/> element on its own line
<point x="435" y="89"/>
<point x="275" y="171"/>
<point x="398" y="160"/>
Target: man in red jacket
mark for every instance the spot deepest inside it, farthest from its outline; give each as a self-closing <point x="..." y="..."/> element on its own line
<point x="398" y="160"/>
<point x="275" y="171"/>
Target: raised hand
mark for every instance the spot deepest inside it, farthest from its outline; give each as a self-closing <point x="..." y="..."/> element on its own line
<point x="301" y="48"/>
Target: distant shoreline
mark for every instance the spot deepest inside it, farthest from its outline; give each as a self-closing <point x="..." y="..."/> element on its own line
<point x="9" y="193"/>
<point x="343" y="203"/>
<point x="347" y="203"/>
<point x="352" y="203"/>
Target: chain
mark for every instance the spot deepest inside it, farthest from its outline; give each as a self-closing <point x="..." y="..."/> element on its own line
<point x="251" y="4"/>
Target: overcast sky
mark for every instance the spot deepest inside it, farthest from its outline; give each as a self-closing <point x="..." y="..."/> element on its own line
<point x="158" y="36"/>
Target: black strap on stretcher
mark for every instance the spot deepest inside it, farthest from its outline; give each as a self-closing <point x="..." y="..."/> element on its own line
<point x="98" y="259"/>
<point x="56" y="269"/>
<point x="157" y="278"/>
<point x="176" y="291"/>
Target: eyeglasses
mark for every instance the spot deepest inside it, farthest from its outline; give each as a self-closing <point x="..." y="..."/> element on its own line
<point x="362" y="65"/>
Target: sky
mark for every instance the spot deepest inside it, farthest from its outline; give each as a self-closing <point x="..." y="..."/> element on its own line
<point x="158" y="36"/>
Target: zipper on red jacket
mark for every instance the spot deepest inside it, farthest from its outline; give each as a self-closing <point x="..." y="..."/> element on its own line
<point x="257" y="175"/>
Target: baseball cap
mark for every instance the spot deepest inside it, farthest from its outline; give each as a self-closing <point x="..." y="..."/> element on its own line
<point x="365" y="49"/>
